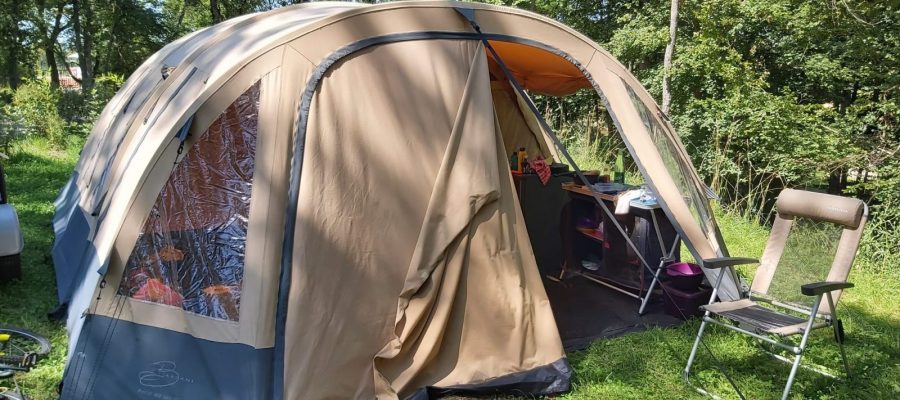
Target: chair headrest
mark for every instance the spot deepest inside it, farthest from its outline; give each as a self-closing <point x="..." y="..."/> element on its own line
<point x="838" y="210"/>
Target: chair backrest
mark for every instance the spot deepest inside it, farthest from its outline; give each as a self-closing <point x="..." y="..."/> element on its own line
<point x="843" y="214"/>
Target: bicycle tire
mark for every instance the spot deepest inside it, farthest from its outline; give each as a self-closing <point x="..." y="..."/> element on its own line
<point x="39" y="349"/>
<point x="13" y="395"/>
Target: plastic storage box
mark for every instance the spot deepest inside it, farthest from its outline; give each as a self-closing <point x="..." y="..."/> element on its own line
<point x="685" y="304"/>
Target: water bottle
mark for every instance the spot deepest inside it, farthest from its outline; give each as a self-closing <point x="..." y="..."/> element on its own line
<point x="619" y="171"/>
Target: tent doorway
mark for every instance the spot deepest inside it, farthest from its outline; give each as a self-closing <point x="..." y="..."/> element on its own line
<point x="591" y="277"/>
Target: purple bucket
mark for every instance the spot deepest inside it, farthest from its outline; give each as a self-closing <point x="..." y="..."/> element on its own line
<point x="684" y="276"/>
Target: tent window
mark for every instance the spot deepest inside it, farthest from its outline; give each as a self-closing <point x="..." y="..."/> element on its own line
<point x="190" y="253"/>
<point x="677" y="167"/>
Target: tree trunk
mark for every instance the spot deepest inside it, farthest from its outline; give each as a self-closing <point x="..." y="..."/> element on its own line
<point x="837" y="181"/>
<point x="667" y="59"/>
<point x="87" y="70"/>
<point x="82" y="26"/>
<point x="215" y="11"/>
<point x="49" y="38"/>
<point x="50" y="54"/>
<point x="12" y="52"/>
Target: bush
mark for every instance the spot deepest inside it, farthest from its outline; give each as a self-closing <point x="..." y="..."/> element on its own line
<point x="35" y="105"/>
<point x="10" y="126"/>
<point x="105" y="87"/>
<point x="881" y="242"/>
<point x="37" y="109"/>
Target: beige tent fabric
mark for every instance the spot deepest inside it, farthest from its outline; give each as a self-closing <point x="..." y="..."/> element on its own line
<point x="316" y="32"/>
<point x="414" y="174"/>
<point x="262" y="262"/>
<point x="369" y="174"/>
<point x="517" y="132"/>
<point x="535" y="126"/>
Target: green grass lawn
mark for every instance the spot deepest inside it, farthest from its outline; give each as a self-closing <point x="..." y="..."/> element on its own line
<point x="35" y="173"/>
<point x="649" y="364"/>
<point x="642" y="365"/>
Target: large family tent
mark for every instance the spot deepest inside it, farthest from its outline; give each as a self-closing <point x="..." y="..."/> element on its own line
<point x="315" y="202"/>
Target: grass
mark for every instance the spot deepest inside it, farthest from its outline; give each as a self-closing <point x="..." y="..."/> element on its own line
<point x="642" y="365"/>
<point x="648" y="364"/>
<point x="35" y="173"/>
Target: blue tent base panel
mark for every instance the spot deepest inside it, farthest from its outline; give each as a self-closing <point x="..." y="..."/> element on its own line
<point x="116" y="359"/>
<point x="72" y="240"/>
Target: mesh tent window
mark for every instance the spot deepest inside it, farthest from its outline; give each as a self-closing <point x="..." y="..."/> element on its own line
<point x="190" y="253"/>
<point x="677" y="168"/>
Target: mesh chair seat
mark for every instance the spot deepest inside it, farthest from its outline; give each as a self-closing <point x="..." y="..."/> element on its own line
<point x="760" y="319"/>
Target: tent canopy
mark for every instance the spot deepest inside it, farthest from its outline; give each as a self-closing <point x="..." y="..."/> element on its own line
<point x="539" y="70"/>
<point x="318" y="197"/>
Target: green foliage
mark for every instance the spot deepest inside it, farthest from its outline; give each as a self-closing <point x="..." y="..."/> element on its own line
<point x="881" y="244"/>
<point x="105" y="88"/>
<point x="129" y="32"/>
<point x="10" y="124"/>
<point x="35" y="105"/>
<point x="765" y="94"/>
<point x="37" y="109"/>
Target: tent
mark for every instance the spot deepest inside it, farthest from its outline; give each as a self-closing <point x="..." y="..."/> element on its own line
<point x="314" y="202"/>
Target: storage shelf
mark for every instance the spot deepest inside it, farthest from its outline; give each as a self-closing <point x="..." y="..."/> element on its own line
<point x="591" y="233"/>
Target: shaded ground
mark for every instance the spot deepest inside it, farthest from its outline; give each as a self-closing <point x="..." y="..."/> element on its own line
<point x="586" y="311"/>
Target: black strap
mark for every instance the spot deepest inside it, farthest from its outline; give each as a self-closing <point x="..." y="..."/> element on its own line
<point x="183" y="134"/>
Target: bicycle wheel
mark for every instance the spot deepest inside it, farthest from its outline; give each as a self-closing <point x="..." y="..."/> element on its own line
<point x="13" y="395"/>
<point x="21" y="349"/>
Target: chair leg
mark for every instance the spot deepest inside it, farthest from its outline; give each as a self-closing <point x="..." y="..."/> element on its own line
<point x="790" y="381"/>
<point x="800" y="349"/>
<point x="838" y="333"/>
<point x="839" y="337"/>
<point x="687" y="369"/>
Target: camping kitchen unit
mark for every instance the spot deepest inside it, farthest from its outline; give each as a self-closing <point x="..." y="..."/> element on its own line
<point x="317" y="202"/>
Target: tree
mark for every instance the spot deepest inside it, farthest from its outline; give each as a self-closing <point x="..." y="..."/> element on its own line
<point x="12" y="41"/>
<point x="215" y="11"/>
<point x="49" y="33"/>
<point x="667" y="60"/>
<point x="83" y="27"/>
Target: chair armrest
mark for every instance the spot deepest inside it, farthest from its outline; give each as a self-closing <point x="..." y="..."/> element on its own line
<point x="722" y="262"/>
<point x="815" y="289"/>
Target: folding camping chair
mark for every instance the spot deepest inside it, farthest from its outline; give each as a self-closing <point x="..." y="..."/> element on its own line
<point x="809" y="228"/>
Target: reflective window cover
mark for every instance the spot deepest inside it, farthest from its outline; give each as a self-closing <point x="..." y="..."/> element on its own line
<point x="190" y="252"/>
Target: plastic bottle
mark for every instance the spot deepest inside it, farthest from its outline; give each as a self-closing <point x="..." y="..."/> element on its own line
<point x="514" y="161"/>
<point x="619" y="171"/>
<point x="522" y="156"/>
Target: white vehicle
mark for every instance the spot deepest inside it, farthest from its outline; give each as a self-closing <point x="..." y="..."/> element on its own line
<point x="11" y="241"/>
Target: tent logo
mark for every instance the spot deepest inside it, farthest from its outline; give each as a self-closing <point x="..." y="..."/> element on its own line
<point x="160" y="374"/>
